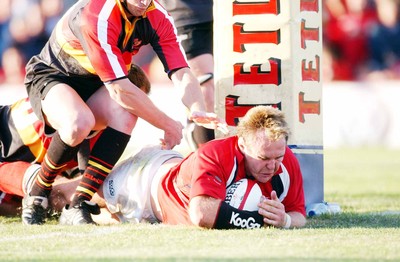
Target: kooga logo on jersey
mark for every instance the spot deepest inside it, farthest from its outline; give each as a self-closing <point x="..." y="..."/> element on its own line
<point x="249" y="223"/>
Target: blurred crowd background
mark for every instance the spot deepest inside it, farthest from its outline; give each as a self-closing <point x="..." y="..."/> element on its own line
<point x="361" y="38"/>
<point x="25" y="26"/>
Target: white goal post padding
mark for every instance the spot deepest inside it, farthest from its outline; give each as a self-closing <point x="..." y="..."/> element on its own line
<point x="269" y="53"/>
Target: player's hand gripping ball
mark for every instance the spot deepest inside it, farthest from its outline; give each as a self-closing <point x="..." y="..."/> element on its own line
<point x="244" y="194"/>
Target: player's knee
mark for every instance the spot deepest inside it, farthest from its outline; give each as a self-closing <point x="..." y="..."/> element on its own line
<point x="122" y="120"/>
<point x="77" y="130"/>
<point x="86" y="124"/>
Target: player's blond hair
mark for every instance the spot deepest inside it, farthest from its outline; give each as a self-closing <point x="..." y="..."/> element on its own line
<point x="263" y="119"/>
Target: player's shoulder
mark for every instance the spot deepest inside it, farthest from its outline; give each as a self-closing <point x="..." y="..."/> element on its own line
<point x="158" y="18"/>
<point x="220" y="146"/>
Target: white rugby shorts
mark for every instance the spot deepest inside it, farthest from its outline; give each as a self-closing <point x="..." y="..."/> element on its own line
<point x="127" y="188"/>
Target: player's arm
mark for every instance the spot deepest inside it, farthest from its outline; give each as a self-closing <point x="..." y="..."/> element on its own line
<point x="209" y="212"/>
<point x="136" y="102"/>
<point x="193" y="99"/>
<point x="298" y="219"/>
<point x="203" y="210"/>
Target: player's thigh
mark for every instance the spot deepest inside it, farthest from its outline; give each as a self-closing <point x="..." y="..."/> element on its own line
<point x="63" y="106"/>
<point x="108" y="112"/>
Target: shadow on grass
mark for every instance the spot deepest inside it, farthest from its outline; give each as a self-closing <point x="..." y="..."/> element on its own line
<point x="349" y="220"/>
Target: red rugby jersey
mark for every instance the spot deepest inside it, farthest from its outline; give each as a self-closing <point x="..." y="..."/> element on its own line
<point x="213" y="168"/>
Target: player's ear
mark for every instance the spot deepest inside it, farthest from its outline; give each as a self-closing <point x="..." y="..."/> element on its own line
<point x="241" y="144"/>
<point x="138" y="77"/>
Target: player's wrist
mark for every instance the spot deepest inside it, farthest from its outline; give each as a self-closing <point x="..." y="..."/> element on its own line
<point x="229" y="217"/>
<point x="288" y="221"/>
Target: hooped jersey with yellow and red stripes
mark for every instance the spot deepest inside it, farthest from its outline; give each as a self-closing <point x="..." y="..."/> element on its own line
<point x="22" y="134"/>
<point x="96" y="38"/>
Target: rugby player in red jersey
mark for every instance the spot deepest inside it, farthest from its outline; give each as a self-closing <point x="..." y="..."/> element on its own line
<point x="156" y="185"/>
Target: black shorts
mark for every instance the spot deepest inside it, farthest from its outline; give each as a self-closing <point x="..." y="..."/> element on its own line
<point x="44" y="80"/>
<point x="197" y="39"/>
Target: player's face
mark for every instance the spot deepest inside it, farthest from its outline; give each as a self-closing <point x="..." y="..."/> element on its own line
<point x="263" y="159"/>
<point x="137" y="7"/>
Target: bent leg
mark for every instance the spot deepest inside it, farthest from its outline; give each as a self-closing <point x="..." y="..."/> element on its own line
<point x="66" y="112"/>
<point x="118" y="124"/>
<point x="202" y="65"/>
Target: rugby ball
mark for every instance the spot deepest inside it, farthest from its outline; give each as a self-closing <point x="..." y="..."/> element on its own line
<point x="244" y="194"/>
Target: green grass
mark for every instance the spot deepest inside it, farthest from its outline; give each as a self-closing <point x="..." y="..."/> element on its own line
<point x="365" y="182"/>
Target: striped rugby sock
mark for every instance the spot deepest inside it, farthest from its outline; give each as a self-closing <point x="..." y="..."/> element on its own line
<point x="105" y="154"/>
<point x="56" y="158"/>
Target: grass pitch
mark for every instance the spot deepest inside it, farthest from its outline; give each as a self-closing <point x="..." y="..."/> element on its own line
<point x="365" y="182"/>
